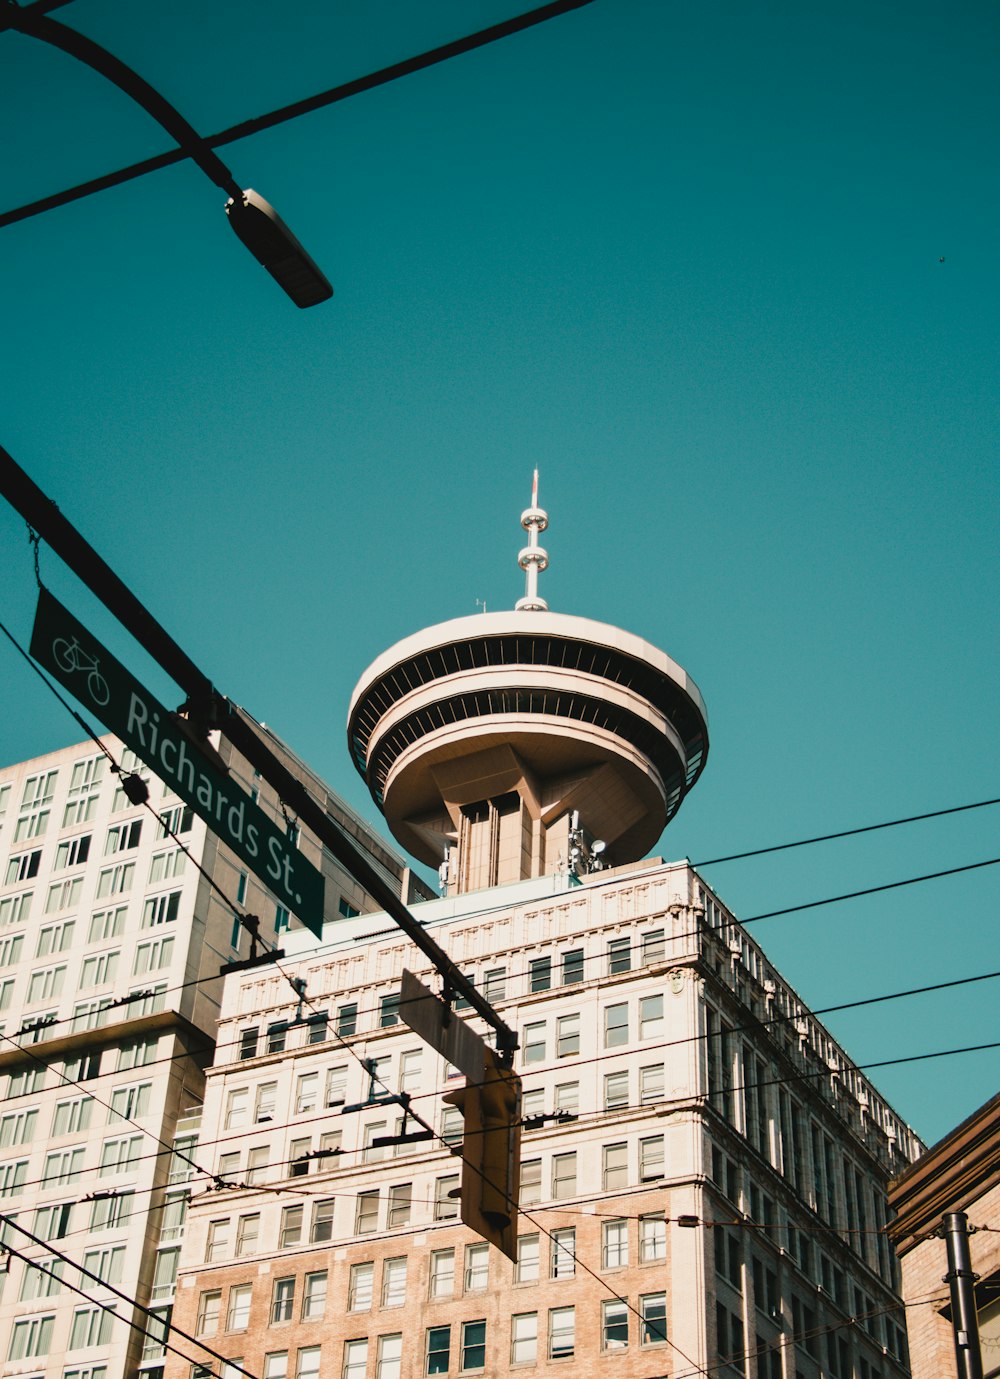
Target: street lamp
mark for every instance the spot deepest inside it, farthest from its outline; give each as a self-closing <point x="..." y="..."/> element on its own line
<point x="256" y="223"/>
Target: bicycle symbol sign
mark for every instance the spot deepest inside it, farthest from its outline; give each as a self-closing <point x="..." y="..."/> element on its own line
<point x="70" y="656"/>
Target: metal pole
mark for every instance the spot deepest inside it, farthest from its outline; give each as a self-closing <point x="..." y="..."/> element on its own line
<point x="961" y="1281"/>
<point x="209" y="708"/>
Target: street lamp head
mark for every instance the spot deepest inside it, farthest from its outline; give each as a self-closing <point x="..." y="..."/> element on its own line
<point x="272" y="243"/>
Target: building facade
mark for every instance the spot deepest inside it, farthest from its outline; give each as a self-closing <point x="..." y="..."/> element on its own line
<point x="961" y="1173"/>
<point x="111" y="941"/>
<point x="703" y="1170"/>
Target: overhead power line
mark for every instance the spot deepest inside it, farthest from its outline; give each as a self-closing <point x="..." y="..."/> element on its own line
<point x="293" y="111"/>
<point x="870" y="890"/>
<point x="844" y="833"/>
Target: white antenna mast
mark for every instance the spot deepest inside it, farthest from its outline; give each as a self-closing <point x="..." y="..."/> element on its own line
<point x="532" y="558"/>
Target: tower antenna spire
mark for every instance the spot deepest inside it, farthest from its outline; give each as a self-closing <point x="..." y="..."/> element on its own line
<point x="533" y="558"/>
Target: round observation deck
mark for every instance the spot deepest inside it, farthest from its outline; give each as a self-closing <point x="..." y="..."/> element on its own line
<point x="529" y="713"/>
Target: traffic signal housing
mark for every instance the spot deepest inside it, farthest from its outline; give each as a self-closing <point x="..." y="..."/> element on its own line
<point x="491" y="1153"/>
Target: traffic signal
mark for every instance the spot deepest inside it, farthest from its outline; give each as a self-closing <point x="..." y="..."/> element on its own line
<point x="491" y="1153"/>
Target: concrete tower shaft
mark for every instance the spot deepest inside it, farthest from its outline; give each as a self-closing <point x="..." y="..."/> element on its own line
<point x="506" y="744"/>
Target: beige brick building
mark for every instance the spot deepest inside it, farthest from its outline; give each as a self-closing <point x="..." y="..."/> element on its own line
<point x="959" y="1173"/>
<point x="703" y="1168"/>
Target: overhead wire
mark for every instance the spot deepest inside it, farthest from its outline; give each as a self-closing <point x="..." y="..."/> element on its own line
<point x="245" y="128"/>
<point x="106" y="1307"/>
<point x="302" y="999"/>
<point x="843" y="833"/>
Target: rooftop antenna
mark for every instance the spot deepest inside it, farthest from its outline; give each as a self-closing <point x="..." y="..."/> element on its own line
<point x="532" y="558"/>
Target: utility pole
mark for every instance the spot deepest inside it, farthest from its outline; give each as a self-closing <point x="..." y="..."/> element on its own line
<point x="961" y="1280"/>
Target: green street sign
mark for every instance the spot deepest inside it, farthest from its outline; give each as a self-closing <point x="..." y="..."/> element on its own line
<point x="102" y="684"/>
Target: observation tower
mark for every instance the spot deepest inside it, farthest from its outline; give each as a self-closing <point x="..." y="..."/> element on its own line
<point x="511" y="745"/>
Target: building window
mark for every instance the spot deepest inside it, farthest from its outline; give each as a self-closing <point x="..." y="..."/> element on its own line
<point x="290" y="1232"/>
<point x="653" y="1312"/>
<point x="347" y="1020"/>
<point x="161" y="909"/>
<point x="52" y="1221"/>
<point x="539" y="974"/>
<point x="355" y="1359"/>
<point x="564" y="1175"/>
<point x="567" y="1098"/>
<point x="237" y="1108"/>
<point x="107" y="924"/>
<point x="91" y="1326"/>
<point x="283" y="1300"/>
<point x="534" y="1042"/>
<point x="316" y="1024"/>
<point x="531" y="1182"/>
<point x="562" y="1252"/>
<point x="31" y="1337"/>
<point x="728" y="1257"/>
<point x="336" y="1086"/>
<point x="62" y="1167"/>
<point x="524" y="1338"/>
<point x="306" y="1093"/>
<point x="23" y="867"/>
<point x="562" y="1332"/>
<point x="654" y="947"/>
<point x="178" y="819"/>
<point x="572" y="967"/>
<point x="209" y="1307"/>
<point x="276" y="1365"/>
<point x="651" y="1017"/>
<point x="651" y="1159"/>
<point x="438" y="1349"/>
<point x="615" y="1090"/>
<point x="238" y="1317"/>
<point x="619" y="956"/>
<point x="729" y="1337"/>
<point x="119" y="1156"/>
<point x="651" y="1084"/>
<point x="652" y="1239"/>
<point x="71" y="1117"/>
<point x="247" y="1231"/>
<point x="123" y="837"/>
<point x="614" y="1325"/>
<point x="615" y="1245"/>
<point x="394" y="1282"/>
<point x="361" y="1289"/>
<point x="366" y="1213"/>
<point x="248" y="1042"/>
<point x="442" y="1273"/>
<point x="388" y="1012"/>
<point x="615" y="1166"/>
<point x="307" y="1362"/>
<point x="56" y="938"/>
<point x="477" y="1268"/>
<point x="390" y="1355"/>
<point x="13" y="1176"/>
<point x="264" y="1102"/>
<point x="322" y="1224"/>
<point x="314" y="1296"/>
<point x="615" y="1025"/>
<point x="277" y="1035"/>
<point x="473" y="1345"/>
<point x="400" y="1198"/>
<point x="527" y="1259"/>
<point x="129" y="1103"/>
<point x="446" y="1206"/>
<point x="567" y="1036"/>
<point x="765" y="1289"/>
<point x="495" y="984"/>
<point x="46" y="985"/>
<point x="99" y="970"/>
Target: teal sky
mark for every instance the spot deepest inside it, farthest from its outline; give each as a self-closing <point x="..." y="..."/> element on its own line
<point x="685" y="259"/>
